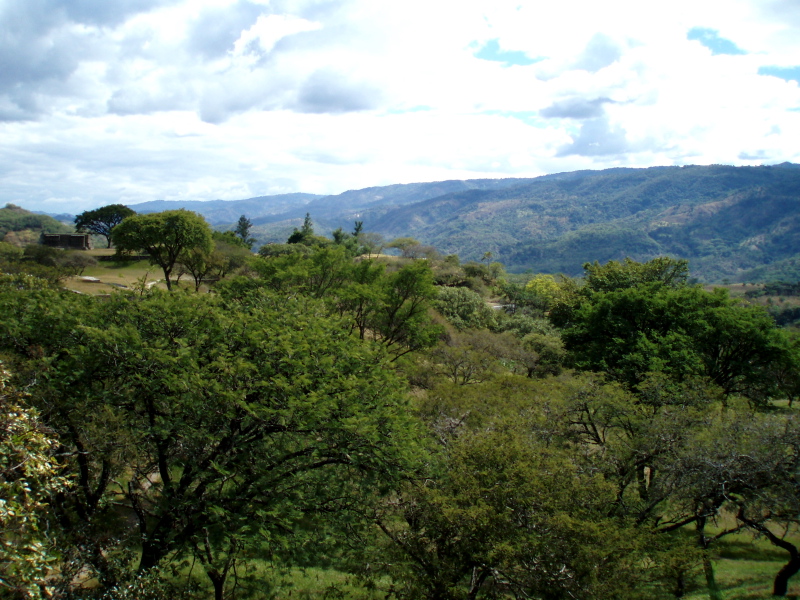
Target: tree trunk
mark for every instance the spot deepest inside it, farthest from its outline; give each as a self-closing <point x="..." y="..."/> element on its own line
<point x="641" y="481"/>
<point x="151" y="556"/>
<point x="218" y="581"/>
<point x="780" y="586"/>
<point x="708" y="567"/>
<point x="680" y="585"/>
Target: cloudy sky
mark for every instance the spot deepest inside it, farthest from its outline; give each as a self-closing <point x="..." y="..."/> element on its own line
<point x="106" y="101"/>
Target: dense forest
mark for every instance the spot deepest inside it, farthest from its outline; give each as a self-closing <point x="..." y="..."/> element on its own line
<point x="416" y="426"/>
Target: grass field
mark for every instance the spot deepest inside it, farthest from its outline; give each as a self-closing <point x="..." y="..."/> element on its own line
<point x="745" y="570"/>
<point x="115" y="275"/>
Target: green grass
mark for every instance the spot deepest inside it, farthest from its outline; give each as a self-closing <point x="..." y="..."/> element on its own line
<point x="745" y="569"/>
<point x="262" y="581"/>
<point x="118" y="275"/>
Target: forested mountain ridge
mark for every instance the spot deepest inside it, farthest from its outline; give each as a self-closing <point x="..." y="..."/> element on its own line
<point x="726" y="220"/>
<point x="402" y="194"/>
<point x="730" y="222"/>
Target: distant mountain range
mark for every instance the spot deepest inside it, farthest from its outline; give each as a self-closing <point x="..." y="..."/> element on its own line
<point x="739" y="223"/>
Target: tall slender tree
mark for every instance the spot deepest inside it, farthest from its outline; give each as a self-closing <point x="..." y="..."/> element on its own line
<point x="242" y="231"/>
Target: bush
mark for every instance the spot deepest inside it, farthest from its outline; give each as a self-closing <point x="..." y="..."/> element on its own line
<point x="464" y="309"/>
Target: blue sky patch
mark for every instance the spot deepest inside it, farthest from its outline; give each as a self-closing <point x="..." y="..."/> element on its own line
<point x="491" y="51"/>
<point x="710" y="39"/>
<point x="787" y="73"/>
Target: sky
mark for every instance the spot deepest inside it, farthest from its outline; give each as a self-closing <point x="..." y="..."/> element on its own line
<point x="125" y="101"/>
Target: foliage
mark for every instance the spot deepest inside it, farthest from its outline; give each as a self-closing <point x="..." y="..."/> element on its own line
<point x="678" y="331"/>
<point x="9" y="252"/>
<point x="242" y="231"/>
<point x="286" y="419"/>
<point x="305" y="235"/>
<point x="268" y="250"/>
<point x="545" y="287"/>
<point x="103" y="220"/>
<point x="50" y="264"/>
<point x="464" y="309"/>
<point x="14" y="219"/>
<point x="77" y="261"/>
<point x="351" y="242"/>
<point x="371" y="242"/>
<point x="390" y="308"/>
<point x="223" y="259"/>
<point x="228" y="237"/>
<point x="28" y="479"/>
<point x="268" y="423"/>
<point x="506" y="513"/>
<point x="412" y="248"/>
<point x="616" y="275"/>
<point x="164" y="236"/>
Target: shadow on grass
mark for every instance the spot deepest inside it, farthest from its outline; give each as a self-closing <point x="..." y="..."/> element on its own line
<point x="747" y="550"/>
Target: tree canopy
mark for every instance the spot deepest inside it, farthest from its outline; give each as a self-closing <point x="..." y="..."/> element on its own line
<point x="164" y="236"/>
<point x="324" y="410"/>
<point x="242" y="231"/>
<point x="103" y="220"/>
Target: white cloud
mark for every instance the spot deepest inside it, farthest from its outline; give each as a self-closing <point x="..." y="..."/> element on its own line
<point x="132" y="100"/>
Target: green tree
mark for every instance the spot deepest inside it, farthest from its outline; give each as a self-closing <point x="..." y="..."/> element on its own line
<point x="198" y="263"/>
<point x="400" y="319"/>
<point x="464" y="309"/>
<point x="228" y="237"/>
<point x="682" y="332"/>
<point x="210" y="423"/>
<point x="616" y="275"/>
<point x="507" y="511"/>
<point x="303" y="235"/>
<point x="164" y="236"/>
<point x="371" y="242"/>
<point x="103" y="220"/>
<point x="412" y="248"/>
<point x="242" y="231"/>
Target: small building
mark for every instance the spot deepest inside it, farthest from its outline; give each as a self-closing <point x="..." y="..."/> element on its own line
<point x="69" y="241"/>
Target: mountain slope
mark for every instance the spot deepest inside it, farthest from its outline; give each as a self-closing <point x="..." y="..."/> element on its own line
<point x="729" y="221"/>
<point x="20" y="227"/>
<point x="219" y="212"/>
<point x="724" y="219"/>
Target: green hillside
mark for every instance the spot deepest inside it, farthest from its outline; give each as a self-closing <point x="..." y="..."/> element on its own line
<point x="736" y="223"/>
<point x="19" y="226"/>
<point x="726" y="220"/>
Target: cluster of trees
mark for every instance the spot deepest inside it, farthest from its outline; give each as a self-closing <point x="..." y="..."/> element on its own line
<point x="182" y="240"/>
<point x="592" y="438"/>
<point x="48" y="263"/>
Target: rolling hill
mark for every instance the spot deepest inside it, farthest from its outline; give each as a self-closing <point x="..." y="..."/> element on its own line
<point x="730" y="222"/>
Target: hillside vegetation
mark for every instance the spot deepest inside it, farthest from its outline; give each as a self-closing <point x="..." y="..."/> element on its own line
<point x="333" y="424"/>
<point x="739" y="223"/>
<point x="20" y="227"/>
<point x="728" y="221"/>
